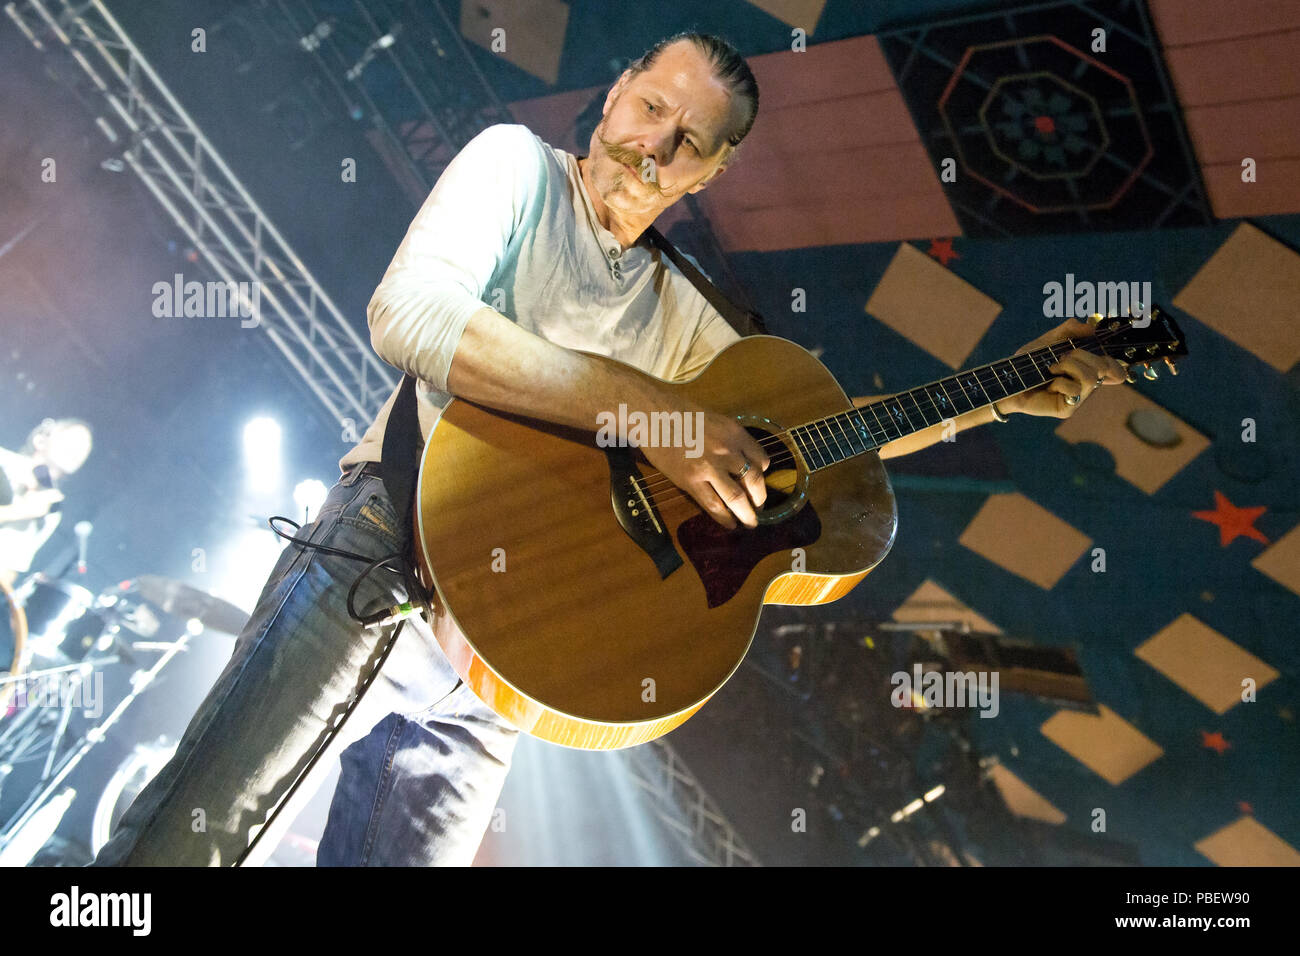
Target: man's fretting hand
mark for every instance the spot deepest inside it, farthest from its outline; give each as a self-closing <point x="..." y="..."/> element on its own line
<point x="1078" y="374"/>
<point x="725" y="448"/>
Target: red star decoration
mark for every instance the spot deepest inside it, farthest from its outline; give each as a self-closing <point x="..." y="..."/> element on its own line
<point x="1214" y="741"/>
<point x="942" y="250"/>
<point x="1245" y="807"/>
<point x="1233" y="522"/>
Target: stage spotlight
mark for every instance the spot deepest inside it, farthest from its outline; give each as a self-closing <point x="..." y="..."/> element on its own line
<point x="310" y="495"/>
<point x="262" y="435"/>
<point x="240" y="569"/>
<point x="262" y="453"/>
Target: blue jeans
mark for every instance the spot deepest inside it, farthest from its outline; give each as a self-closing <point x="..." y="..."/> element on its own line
<point x="423" y="760"/>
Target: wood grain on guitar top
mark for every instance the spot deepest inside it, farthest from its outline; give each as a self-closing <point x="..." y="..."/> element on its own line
<point x="563" y="641"/>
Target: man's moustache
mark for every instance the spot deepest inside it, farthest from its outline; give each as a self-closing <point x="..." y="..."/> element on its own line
<point x="633" y="159"/>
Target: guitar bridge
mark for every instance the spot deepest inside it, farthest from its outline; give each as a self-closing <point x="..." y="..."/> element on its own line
<point x="637" y="514"/>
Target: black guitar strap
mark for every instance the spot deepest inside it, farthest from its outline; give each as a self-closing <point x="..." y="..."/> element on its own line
<point x="744" y="321"/>
<point x="399" y="460"/>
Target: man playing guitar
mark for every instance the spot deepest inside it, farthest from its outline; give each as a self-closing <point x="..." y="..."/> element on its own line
<point x="522" y="258"/>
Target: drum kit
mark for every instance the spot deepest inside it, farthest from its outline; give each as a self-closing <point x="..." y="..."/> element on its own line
<point x="58" y="640"/>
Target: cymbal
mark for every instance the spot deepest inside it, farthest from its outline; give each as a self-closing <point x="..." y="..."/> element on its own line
<point x="182" y="600"/>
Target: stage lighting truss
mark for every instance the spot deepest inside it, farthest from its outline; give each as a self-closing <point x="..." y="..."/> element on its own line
<point x="233" y="237"/>
<point x="404" y="66"/>
<point x="684" y="806"/>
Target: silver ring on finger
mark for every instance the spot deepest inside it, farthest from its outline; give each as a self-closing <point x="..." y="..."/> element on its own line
<point x="1072" y="399"/>
<point x="744" y="471"/>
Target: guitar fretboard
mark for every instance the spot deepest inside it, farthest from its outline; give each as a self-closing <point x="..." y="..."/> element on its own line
<point x="833" y="439"/>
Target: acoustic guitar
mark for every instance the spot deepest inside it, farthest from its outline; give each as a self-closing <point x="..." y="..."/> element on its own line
<point x="592" y="603"/>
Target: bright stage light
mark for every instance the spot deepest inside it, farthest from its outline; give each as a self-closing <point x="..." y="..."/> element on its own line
<point x="240" y="569"/>
<point x="262" y="453"/>
<point x="261" y="436"/>
<point x="310" y="495"/>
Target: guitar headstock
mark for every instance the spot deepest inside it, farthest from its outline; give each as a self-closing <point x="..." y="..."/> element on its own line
<point x="1141" y="338"/>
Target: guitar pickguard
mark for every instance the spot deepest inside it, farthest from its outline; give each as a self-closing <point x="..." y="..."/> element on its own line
<point x="724" y="559"/>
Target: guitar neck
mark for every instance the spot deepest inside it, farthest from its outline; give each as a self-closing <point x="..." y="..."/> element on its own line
<point x="836" y="438"/>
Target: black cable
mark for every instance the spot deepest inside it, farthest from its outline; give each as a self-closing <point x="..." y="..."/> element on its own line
<point x="402" y="568"/>
<point x="320" y="751"/>
<point x="398" y="612"/>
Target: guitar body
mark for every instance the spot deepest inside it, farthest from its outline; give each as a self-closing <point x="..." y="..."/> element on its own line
<point x="579" y="633"/>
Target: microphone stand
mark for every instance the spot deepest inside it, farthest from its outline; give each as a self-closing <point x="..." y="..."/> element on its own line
<point x="93" y="736"/>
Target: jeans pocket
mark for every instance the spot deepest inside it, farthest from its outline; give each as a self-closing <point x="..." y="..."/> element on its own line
<point x="375" y="516"/>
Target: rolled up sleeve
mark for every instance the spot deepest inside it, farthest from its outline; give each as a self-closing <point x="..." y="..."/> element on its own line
<point x="444" y="265"/>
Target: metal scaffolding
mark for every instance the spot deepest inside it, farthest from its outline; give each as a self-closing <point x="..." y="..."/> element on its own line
<point x="162" y="145"/>
<point x="682" y="804"/>
<point x="411" y="68"/>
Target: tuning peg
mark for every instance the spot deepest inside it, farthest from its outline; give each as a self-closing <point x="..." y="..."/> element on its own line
<point x="1095" y="319"/>
<point x="1149" y="373"/>
<point x="1130" y="352"/>
<point x="1173" y="369"/>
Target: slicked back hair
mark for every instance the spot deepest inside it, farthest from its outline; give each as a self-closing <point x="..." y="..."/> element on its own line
<point x="728" y="66"/>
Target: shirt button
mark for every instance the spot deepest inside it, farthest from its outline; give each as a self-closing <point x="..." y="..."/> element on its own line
<point x="613" y="252"/>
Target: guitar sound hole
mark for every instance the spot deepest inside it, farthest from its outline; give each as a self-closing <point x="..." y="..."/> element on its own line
<point x="785" y="483"/>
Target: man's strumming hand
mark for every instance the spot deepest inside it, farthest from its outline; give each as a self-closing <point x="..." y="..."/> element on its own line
<point x="710" y="477"/>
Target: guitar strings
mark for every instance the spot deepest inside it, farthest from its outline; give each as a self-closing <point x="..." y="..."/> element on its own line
<point x="656" y="480"/>
<point x="651" y="484"/>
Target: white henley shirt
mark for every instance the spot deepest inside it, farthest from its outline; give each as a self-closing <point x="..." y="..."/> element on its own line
<point x="509" y="225"/>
